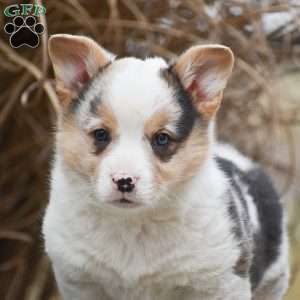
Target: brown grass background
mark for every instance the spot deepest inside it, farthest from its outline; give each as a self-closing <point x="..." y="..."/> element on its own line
<point x="260" y="115"/>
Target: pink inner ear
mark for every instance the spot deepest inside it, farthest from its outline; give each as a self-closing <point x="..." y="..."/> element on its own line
<point x="195" y="90"/>
<point x="81" y="75"/>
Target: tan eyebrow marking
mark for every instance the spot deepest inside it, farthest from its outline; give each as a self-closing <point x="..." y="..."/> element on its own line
<point x="107" y="117"/>
<point x="157" y="122"/>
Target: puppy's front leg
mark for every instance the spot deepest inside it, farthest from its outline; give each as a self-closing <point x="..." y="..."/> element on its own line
<point x="78" y="289"/>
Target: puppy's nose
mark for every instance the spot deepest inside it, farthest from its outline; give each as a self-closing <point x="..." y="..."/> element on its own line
<point x="124" y="184"/>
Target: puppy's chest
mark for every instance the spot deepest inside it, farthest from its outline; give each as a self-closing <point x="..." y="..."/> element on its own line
<point x="140" y="269"/>
<point x="163" y="260"/>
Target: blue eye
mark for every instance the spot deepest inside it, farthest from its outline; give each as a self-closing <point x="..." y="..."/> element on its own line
<point x="163" y="145"/>
<point x="162" y="139"/>
<point x="101" y="135"/>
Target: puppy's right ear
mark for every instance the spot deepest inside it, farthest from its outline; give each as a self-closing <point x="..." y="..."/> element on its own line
<point x="204" y="72"/>
<point x="75" y="60"/>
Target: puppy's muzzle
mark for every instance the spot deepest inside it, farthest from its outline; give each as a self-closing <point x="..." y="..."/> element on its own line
<point x="124" y="184"/>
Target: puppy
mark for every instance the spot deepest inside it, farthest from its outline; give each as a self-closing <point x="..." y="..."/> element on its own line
<point x="145" y="204"/>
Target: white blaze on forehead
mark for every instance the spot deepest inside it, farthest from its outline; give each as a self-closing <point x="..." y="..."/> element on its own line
<point x="135" y="90"/>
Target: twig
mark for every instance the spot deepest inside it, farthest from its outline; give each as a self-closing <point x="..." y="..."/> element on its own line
<point x="44" y="43"/>
<point x="14" y="235"/>
<point x="16" y="91"/>
<point x="31" y="68"/>
<point x="36" y="289"/>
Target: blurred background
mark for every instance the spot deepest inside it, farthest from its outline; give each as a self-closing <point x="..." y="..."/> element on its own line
<point x="260" y="115"/>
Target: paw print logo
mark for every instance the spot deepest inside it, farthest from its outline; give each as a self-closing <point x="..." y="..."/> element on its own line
<point x="24" y="32"/>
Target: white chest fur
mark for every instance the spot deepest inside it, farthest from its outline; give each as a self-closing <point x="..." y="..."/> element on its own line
<point x="156" y="254"/>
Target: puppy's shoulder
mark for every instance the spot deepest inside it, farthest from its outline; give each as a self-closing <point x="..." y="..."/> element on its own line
<point x="259" y="207"/>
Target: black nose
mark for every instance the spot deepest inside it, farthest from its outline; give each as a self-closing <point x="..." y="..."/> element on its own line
<point x="125" y="185"/>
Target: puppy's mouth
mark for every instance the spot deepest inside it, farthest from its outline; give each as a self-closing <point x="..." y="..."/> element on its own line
<point x="125" y="203"/>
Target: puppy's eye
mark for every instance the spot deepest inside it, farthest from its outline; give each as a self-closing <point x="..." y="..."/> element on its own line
<point x="101" y="135"/>
<point x="102" y="138"/>
<point x="162" y="139"/>
<point x="161" y="142"/>
<point x="163" y="145"/>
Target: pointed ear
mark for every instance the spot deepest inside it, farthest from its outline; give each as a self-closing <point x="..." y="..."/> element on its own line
<point x="204" y="72"/>
<point x="75" y="60"/>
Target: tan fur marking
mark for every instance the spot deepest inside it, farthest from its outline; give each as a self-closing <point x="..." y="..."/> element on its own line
<point x="77" y="148"/>
<point x="156" y="122"/>
<point x="209" y="108"/>
<point x="108" y="118"/>
<point x="65" y="95"/>
<point x="185" y="162"/>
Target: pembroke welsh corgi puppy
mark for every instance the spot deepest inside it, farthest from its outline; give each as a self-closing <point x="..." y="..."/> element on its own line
<point x="145" y="204"/>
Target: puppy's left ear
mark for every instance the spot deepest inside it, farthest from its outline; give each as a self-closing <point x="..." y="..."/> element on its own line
<point x="204" y="72"/>
<point x="75" y="60"/>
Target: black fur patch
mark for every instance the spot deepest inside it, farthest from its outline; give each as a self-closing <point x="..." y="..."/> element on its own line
<point x="189" y="114"/>
<point x="233" y="172"/>
<point x="233" y="212"/>
<point x="240" y="220"/>
<point x="242" y="235"/>
<point x="267" y="240"/>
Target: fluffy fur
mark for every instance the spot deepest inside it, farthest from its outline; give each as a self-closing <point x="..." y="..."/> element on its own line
<point x="202" y="222"/>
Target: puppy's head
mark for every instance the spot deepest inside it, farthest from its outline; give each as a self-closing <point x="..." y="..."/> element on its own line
<point x="135" y="130"/>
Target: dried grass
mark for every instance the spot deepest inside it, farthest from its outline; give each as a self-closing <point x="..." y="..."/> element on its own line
<point x="254" y="117"/>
